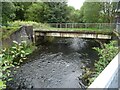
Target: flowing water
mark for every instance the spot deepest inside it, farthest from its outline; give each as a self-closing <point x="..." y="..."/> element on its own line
<point x="56" y="65"/>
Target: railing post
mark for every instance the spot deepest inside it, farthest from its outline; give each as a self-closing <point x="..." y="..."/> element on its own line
<point x="65" y="25"/>
<point x="56" y="25"/>
<point x="60" y="25"/>
<point x="72" y="25"/>
<point x="85" y="25"/>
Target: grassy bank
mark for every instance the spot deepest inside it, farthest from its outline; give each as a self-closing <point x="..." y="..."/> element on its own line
<point x="5" y="32"/>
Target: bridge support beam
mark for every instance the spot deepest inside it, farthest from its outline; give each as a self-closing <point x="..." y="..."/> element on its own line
<point x="69" y="34"/>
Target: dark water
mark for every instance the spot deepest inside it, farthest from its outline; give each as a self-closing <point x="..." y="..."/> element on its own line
<point x="56" y="65"/>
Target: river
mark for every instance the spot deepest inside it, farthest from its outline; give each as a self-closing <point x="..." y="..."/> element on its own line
<point x="56" y="65"/>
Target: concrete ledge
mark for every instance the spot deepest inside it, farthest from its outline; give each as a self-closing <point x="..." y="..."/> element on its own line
<point x="108" y="78"/>
<point x="24" y="33"/>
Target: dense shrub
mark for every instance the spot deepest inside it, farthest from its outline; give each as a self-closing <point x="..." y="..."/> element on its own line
<point x="12" y="57"/>
<point x="106" y="54"/>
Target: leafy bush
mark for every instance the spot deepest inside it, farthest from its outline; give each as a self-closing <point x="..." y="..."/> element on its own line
<point x="12" y="57"/>
<point x="106" y="54"/>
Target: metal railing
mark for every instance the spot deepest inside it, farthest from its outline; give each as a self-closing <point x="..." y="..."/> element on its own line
<point x="110" y="26"/>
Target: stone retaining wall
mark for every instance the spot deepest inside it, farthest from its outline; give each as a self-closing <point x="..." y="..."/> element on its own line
<point x="25" y="33"/>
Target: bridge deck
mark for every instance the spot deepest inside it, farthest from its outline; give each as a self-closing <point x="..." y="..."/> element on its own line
<point x="70" y="33"/>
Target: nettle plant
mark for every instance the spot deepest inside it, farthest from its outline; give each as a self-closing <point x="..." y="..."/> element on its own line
<point x="106" y="55"/>
<point x="11" y="58"/>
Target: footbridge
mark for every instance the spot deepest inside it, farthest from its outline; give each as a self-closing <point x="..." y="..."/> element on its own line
<point x="80" y="34"/>
<point x="76" y="30"/>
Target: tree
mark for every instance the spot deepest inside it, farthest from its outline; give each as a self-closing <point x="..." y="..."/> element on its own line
<point x="108" y="11"/>
<point x="50" y="12"/>
<point x="58" y="12"/>
<point x="101" y="12"/>
<point x="74" y="15"/>
<point x="81" y="20"/>
<point x="91" y="12"/>
<point x="8" y="9"/>
<point x="21" y="8"/>
<point x="37" y="12"/>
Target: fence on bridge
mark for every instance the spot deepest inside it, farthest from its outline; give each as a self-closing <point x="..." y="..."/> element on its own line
<point x="110" y="26"/>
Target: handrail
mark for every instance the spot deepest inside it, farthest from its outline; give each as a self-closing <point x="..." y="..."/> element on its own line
<point x="84" y="25"/>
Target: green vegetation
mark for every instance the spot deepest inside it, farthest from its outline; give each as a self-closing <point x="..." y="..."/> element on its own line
<point x="91" y="15"/>
<point x="58" y="12"/>
<point x="5" y="32"/>
<point x="37" y="14"/>
<point x="102" y="12"/>
<point x="8" y="14"/>
<point x="29" y="23"/>
<point x="106" y="55"/>
<point x="12" y="57"/>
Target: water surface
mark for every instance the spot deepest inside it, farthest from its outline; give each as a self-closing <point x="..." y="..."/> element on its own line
<point x="56" y="65"/>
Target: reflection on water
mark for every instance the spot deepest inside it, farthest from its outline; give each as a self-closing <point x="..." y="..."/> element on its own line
<point x="56" y="65"/>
